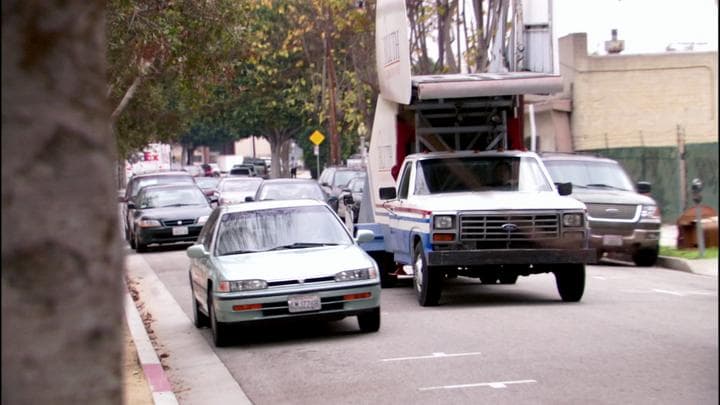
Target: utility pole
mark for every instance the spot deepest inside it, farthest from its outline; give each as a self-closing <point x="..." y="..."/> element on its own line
<point x="334" y="138"/>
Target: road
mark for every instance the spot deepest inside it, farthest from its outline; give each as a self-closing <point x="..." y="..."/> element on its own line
<point x="640" y="336"/>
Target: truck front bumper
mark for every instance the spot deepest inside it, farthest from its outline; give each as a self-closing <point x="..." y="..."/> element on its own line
<point x="510" y="256"/>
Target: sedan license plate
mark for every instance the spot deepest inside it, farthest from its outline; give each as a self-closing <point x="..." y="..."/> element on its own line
<point x="180" y="230"/>
<point x="612" y="240"/>
<point x="304" y="303"/>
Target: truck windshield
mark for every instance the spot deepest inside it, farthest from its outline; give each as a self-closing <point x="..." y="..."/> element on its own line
<point x="589" y="174"/>
<point x="480" y="173"/>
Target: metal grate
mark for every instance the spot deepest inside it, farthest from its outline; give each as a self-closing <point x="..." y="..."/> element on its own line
<point x="613" y="212"/>
<point x="510" y="227"/>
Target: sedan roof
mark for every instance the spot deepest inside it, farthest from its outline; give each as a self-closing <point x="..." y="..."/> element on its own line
<point x="271" y="204"/>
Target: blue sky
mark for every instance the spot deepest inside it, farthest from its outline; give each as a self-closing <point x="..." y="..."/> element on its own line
<point x="646" y="26"/>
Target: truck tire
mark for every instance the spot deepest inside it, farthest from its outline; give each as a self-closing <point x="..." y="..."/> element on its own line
<point x="426" y="280"/>
<point x="645" y="257"/>
<point x="570" y="280"/>
<point x="386" y="265"/>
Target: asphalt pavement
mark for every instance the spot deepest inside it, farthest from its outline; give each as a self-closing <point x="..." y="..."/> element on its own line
<point x="205" y="378"/>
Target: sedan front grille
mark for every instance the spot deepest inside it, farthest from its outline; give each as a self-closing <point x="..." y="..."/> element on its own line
<point x="178" y="222"/>
<point x="509" y="227"/>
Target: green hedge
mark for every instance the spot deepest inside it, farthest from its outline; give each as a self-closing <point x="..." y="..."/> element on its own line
<point x="660" y="166"/>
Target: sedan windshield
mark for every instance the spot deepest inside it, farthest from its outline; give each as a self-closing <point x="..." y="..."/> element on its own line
<point x="585" y="174"/>
<point x="171" y="197"/>
<point x="290" y="191"/>
<point x="278" y="229"/>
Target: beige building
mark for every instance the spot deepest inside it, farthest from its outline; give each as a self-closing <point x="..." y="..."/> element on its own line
<point x="621" y="101"/>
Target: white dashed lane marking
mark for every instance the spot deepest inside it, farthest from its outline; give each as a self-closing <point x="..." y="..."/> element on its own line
<point x="496" y="385"/>
<point x="432" y="356"/>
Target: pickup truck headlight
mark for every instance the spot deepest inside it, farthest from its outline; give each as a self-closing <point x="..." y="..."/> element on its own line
<point x="650" y="212"/>
<point x="573" y="219"/>
<point x="242" y="285"/>
<point x="444" y="222"/>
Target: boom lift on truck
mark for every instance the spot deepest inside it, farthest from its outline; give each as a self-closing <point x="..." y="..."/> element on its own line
<point x="431" y="200"/>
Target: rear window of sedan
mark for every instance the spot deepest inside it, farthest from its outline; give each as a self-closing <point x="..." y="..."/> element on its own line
<point x="290" y="191"/>
<point x="171" y="197"/>
<point x="151" y="181"/>
<point x="279" y="229"/>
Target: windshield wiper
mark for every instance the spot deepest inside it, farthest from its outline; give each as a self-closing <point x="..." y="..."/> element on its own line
<point x="240" y="252"/>
<point x="605" y="186"/>
<point x="302" y="245"/>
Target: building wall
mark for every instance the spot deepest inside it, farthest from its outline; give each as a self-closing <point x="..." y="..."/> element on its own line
<point x="639" y="100"/>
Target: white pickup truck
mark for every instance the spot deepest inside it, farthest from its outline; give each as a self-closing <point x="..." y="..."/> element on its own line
<point x="450" y="190"/>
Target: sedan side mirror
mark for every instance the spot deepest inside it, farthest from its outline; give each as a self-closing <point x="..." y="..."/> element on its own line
<point x="564" y="188"/>
<point x="197" y="252"/>
<point x="364" y="236"/>
<point x="131" y="205"/>
<point x="249" y="199"/>
<point x="348" y="200"/>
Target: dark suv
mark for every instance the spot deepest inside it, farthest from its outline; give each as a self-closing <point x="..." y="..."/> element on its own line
<point x="623" y="218"/>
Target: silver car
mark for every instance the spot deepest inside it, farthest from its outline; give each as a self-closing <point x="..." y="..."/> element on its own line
<point x="280" y="259"/>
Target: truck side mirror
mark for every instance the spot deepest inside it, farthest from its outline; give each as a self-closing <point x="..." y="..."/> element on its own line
<point x="643" y="187"/>
<point x="388" y="193"/>
<point x="564" y="188"/>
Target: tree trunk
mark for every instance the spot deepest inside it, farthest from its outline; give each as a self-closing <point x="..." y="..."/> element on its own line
<point x="62" y="262"/>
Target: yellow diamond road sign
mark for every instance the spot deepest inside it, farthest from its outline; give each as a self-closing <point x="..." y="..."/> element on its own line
<point x="317" y="137"/>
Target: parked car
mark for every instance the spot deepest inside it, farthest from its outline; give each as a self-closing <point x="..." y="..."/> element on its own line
<point x="209" y="185"/>
<point x="234" y="190"/>
<point x="259" y="165"/>
<point x="168" y="214"/>
<point x="290" y="189"/>
<point x="243" y="170"/>
<point x="139" y="181"/>
<point x="336" y="179"/>
<point x="261" y="261"/>
<point x="623" y="218"/>
<point x="349" y="199"/>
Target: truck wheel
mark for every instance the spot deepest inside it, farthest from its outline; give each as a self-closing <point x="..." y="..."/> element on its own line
<point x="386" y="265"/>
<point x="426" y="280"/>
<point x="570" y="280"/>
<point x="645" y="257"/>
<point x="369" y="321"/>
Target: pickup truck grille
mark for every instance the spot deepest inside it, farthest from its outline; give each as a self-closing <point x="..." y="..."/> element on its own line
<point x="509" y="227"/>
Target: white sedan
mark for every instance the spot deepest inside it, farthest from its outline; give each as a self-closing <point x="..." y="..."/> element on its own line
<point x="280" y="259"/>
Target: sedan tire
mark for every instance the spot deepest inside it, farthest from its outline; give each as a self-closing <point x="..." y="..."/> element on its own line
<point x="219" y="329"/>
<point x="369" y="321"/>
<point x="200" y="320"/>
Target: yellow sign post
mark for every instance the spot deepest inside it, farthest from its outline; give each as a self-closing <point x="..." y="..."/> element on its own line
<point x="317" y="138"/>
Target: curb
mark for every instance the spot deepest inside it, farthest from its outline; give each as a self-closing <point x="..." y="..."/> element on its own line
<point x="154" y="373"/>
<point x="673" y="263"/>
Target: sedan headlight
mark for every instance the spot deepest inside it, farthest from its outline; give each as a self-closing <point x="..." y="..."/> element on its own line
<point x="360" y="274"/>
<point x="650" y="212"/>
<point x="202" y="219"/>
<point x="242" y="285"/>
<point x="574" y="219"/>
<point x="148" y="223"/>
<point x="443" y="222"/>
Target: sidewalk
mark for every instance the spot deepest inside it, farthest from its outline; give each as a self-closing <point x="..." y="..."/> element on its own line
<point x="668" y="237"/>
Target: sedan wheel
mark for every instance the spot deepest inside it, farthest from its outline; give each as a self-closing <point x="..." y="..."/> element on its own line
<point x="200" y="320"/>
<point x="369" y="321"/>
<point x="219" y="329"/>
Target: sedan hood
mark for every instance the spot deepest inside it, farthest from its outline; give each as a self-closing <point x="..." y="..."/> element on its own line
<point x="294" y="264"/>
<point x="609" y="196"/>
